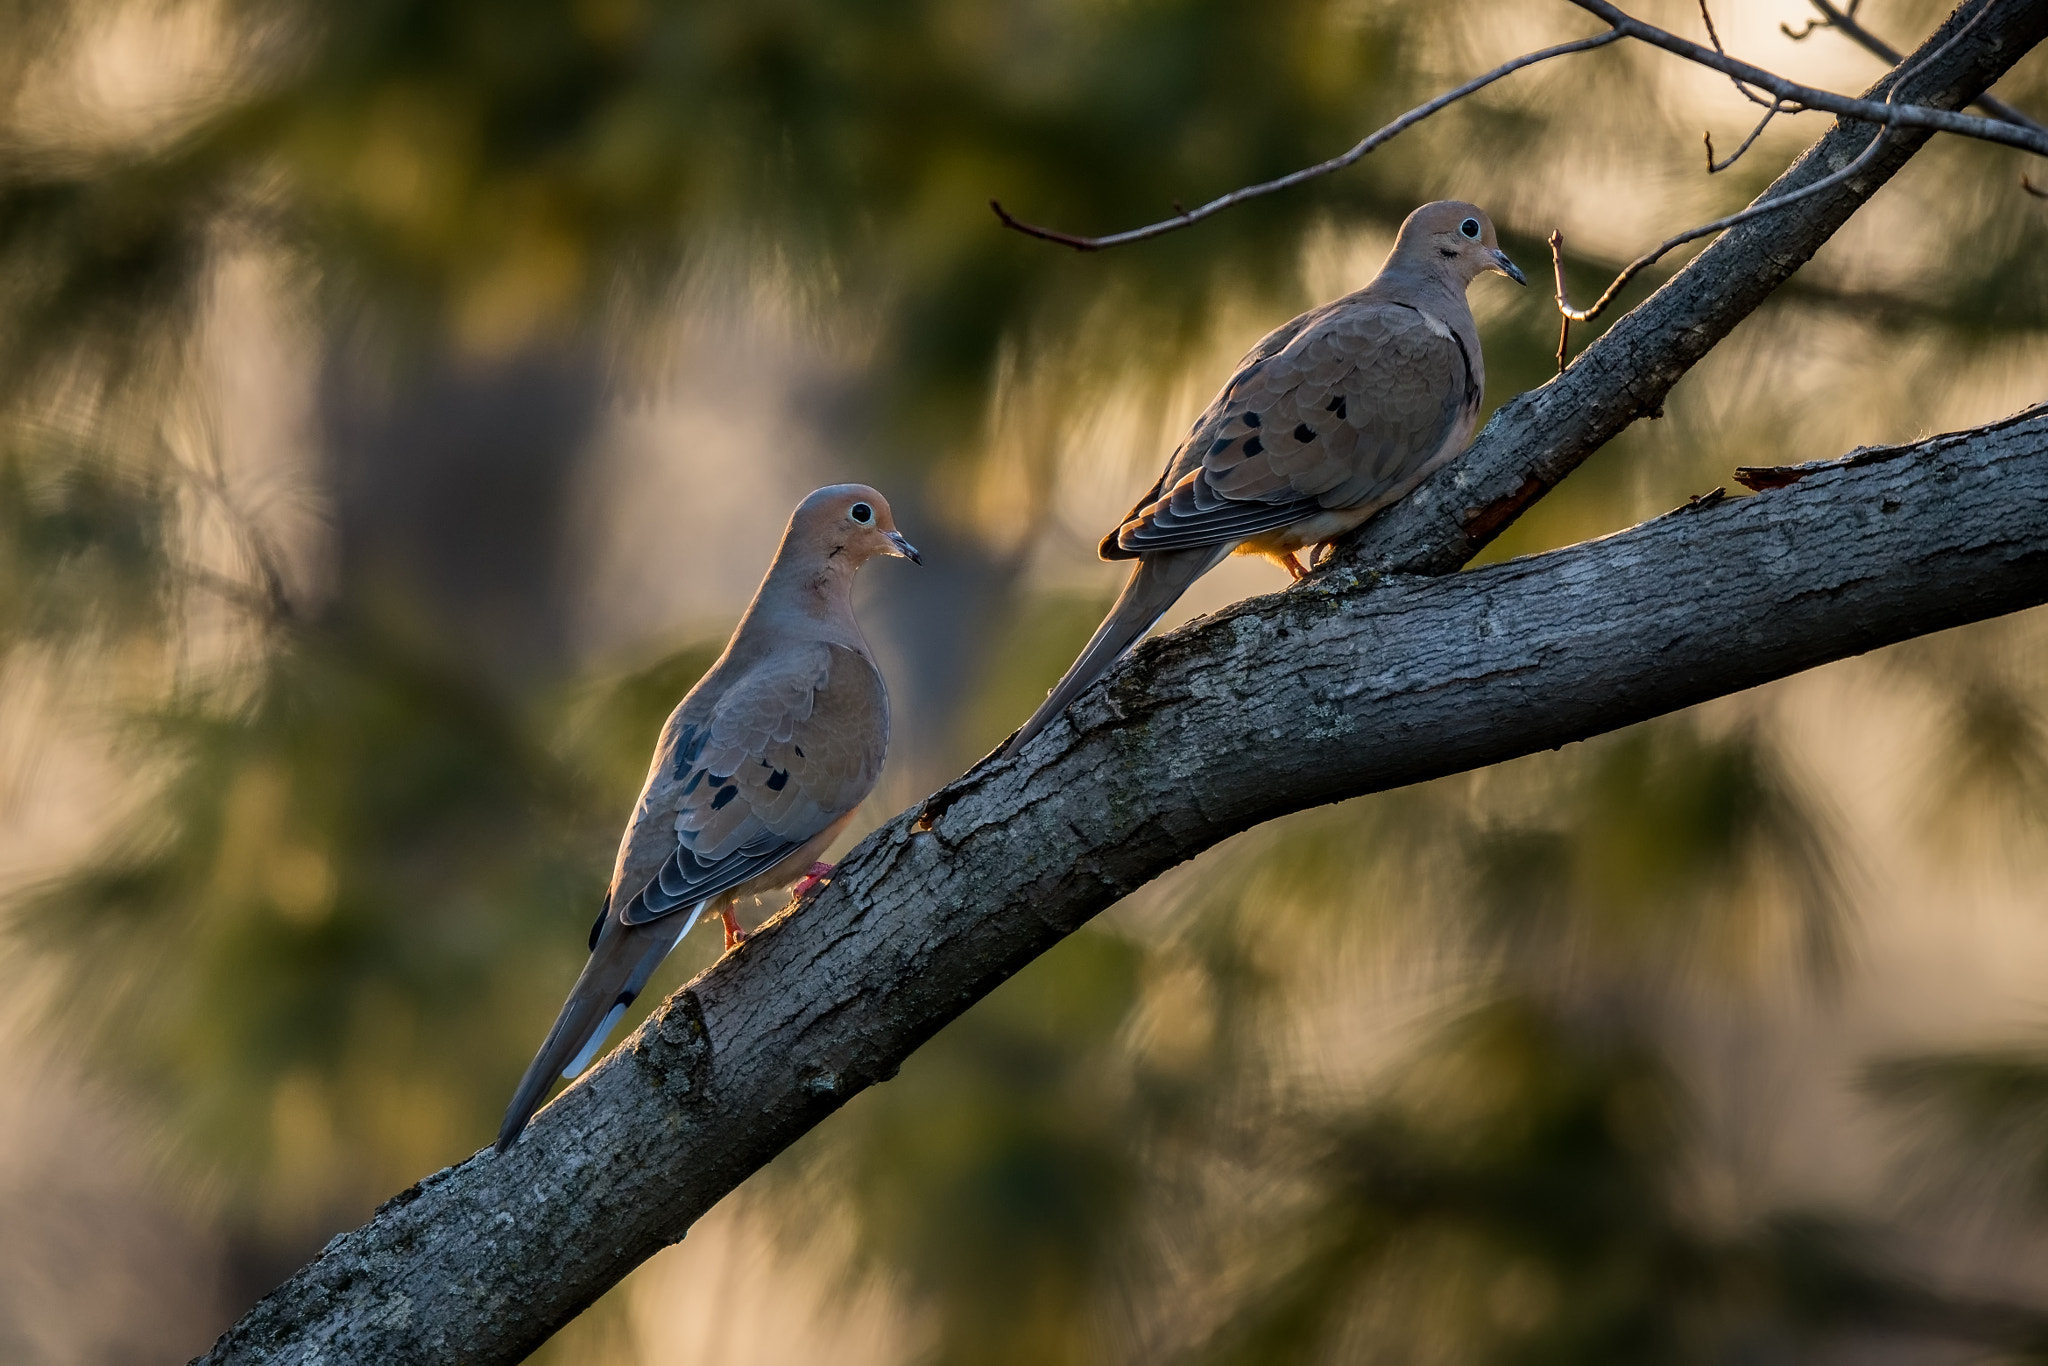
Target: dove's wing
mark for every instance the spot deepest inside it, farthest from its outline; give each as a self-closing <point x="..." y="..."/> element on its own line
<point x="1354" y="404"/>
<point x="786" y="750"/>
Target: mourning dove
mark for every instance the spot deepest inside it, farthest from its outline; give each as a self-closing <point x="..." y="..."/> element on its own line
<point x="758" y="769"/>
<point x="1330" y="418"/>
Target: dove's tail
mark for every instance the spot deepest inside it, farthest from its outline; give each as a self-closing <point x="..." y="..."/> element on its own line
<point x="620" y="963"/>
<point x="1156" y="583"/>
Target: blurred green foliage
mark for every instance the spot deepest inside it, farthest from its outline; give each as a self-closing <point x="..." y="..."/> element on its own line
<point x="348" y="864"/>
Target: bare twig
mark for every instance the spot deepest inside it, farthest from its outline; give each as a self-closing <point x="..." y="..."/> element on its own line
<point x="1844" y="21"/>
<point x="1716" y="167"/>
<point x="1649" y="258"/>
<point x="1321" y="168"/>
<point x="1569" y="315"/>
<point x="1786" y="96"/>
<point x="1707" y="17"/>
<point x="1887" y="111"/>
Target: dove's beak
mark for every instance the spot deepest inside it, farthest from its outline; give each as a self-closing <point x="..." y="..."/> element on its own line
<point x="899" y="546"/>
<point x="1508" y="268"/>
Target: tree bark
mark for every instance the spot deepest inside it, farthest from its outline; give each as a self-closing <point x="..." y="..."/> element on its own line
<point x="1324" y="692"/>
<point x="1362" y="680"/>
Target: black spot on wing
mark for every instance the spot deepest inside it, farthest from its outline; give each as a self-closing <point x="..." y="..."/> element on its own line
<point x="1337" y="405"/>
<point x="778" y="780"/>
<point x="725" y="794"/>
<point x="688" y="746"/>
<point x="1251" y="419"/>
<point x="603" y="910"/>
<point x="1304" y="433"/>
<point x="1252" y="446"/>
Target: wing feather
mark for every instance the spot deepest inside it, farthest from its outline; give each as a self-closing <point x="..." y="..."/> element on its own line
<point x="785" y="751"/>
<point x="1356" y="400"/>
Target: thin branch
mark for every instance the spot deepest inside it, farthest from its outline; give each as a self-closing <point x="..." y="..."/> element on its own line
<point x="1569" y="315"/>
<point x="1649" y="258"/>
<point x="1787" y="96"/>
<point x="1707" y="17"/>
<point x="1716" y="167"/>
<point x="1844" y="21"/>
<point x="1886" y="112"/>
<point x="1321" y="168"/>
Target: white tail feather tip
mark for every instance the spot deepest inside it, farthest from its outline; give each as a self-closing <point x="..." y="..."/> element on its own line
<point x="597" y="1038"/>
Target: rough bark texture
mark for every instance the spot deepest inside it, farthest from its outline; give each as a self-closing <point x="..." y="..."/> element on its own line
<point x="1346" y="686"/>
<point x="1359" y="681"/>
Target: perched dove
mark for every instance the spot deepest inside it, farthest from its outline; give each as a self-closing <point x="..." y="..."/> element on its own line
<point x="1330" y="418"/>
<point x="756" y="772"/>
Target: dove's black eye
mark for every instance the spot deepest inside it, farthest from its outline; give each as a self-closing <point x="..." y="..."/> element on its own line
<point x="862" y="513"/>
<point x="1470" y="227"/>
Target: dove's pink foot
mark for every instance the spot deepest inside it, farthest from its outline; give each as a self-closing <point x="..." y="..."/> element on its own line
<point x="1286" y="560"/>
<point x="812" y="882"/>
<point x="734" y="935"/>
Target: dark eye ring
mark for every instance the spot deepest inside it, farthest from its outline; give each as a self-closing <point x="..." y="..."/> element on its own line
<point x="1470" y="227"/>
<point x="862" y="513"/>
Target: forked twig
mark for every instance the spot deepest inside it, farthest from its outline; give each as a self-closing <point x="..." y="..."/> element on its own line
<point x="1707" y="17"/>
<point x="1569" y="315"/>
<point x="1845" y="22"/>
<point x="1649" y="258"/>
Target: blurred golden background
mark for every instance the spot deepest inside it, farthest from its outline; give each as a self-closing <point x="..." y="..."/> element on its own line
<point x="398" y="402"/>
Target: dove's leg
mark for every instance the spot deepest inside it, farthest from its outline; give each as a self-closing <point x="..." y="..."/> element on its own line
<point x="735" y="935"/>
<point x="812" y="882"/>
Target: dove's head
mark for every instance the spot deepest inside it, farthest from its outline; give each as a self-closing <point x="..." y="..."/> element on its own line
<point x="1456" y="239"/>
<point x="849" y="521"/>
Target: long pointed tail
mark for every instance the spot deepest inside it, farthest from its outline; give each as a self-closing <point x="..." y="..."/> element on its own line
<point x="620" y="964"/>
<point x="1156" y="583"/>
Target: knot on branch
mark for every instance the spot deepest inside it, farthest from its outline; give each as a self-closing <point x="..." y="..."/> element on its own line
<point x="675" y="1048"/>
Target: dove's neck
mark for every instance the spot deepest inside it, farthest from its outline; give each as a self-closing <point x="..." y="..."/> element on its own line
<point x="811" y="595"/>
<point x="1421" y="285"/>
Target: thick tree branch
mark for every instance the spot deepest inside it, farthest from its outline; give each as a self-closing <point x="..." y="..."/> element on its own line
<point x="1309" y="696"/>
<point x="1358" y="681"/>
